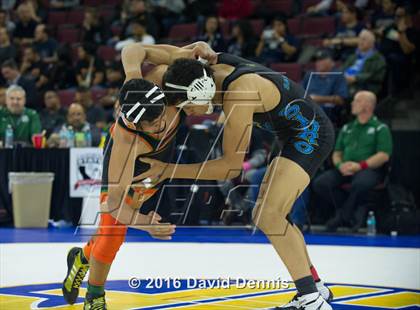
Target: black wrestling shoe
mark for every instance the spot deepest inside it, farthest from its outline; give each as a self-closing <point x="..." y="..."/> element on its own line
<point x="95" y="303"/>
<point x="77" y="267"/>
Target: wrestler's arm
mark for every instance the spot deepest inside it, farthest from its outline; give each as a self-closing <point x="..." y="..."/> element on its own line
<point x="239" y="110"/>
<point x="156" y="74"/>
<point x="122" y="169"/>
<point x="126" y="148"/>
<point x="133" y="55"/>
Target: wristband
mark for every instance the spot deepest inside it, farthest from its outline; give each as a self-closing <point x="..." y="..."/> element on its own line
<point x="363" y="164"/>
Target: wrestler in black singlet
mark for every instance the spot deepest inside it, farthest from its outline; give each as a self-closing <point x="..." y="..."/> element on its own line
<point x="298" y="122"/>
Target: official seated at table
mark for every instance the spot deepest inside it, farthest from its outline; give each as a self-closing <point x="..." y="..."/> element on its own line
<point x="76" y="132"/>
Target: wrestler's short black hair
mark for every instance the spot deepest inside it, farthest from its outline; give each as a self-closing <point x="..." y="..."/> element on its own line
<point x="134" y="91"/>
<point x="182" y="72"/>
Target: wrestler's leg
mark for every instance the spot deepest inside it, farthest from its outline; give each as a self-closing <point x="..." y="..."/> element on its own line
<point x="282" y="184"/>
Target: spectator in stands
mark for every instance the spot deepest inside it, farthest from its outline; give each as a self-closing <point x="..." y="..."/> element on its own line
<point x="24" y="122"/>
<point x="25" y="27"/>
<point x="276" y="44"/>
<point x="38" y="10"/>
<point x="35" y="69"/>
<point x="346" y="36"/>
<point x="89" y="68"/>
<point x="366" y="68"/>
<point x="198" y="10"/>
<point x="53" y="115"/>
<point x="326" y="85"/>
<point x="236" y="9"/>
<point x="114" y="81"/>
<point x="324" y="6"/>
<point x="114" y="75"/>
<point x="95" y="114"/>
<point x="93" y="27"/>
<point x="385" y="16"/>
<point x="5" y="21"/>
<point x="63" y="4"/>
<point x="212" y="34"/>
<point x="44" y="45"/>
<point x="8" y="5"/>
<point x="321" y="8"/>
<point x="76" y="120"/>
<point x="138" y="12"/>
<point x="362" y="149"/>
<point x="167" y="13"/>
<point x="7" y="48"/>
<point x="400" y="45"/>
<point x="243" y="42"/>
<point x="62" y="73"/>
<point x="12" y="75"/>
<point x="139" y="34"/>
<point x="2" y="96"/>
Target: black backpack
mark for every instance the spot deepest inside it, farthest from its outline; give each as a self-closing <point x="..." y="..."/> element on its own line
<point x="403" y="215"/>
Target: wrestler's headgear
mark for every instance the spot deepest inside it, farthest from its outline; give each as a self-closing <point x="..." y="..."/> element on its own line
<point x="140" y="100"/>
<point x="200" y="91"/>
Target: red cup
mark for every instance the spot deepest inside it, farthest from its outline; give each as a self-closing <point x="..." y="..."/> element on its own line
<point x="37" y="140"/>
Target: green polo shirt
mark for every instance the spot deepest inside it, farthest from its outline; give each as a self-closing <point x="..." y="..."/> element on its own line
<point x="24" y="125"/>
<point x="360" y="141"/>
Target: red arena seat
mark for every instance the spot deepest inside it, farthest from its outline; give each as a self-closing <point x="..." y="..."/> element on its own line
<point x="292" y="70"/>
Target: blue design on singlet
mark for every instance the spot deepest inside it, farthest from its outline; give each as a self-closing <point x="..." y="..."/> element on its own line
<point x="308" y="130"/>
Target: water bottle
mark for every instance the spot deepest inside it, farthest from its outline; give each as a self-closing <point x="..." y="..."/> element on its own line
<point x="88" y="138"/>
<point x="103" y="140"/>
<point x="70" y="137"/>
<point x="371" y="224"/>
<point x="63" y="137"/>
<point x="8" y="137"/>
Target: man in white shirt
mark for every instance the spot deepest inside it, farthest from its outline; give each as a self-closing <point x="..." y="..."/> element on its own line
<point x="138" y="34"/>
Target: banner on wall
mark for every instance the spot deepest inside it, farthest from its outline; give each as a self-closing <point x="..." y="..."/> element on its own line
<point x="85" y="172"/>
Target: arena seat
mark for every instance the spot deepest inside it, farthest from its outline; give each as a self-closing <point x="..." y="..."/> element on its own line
<point x="106" y="53"/>
<point x="92" y="2"/>
<point x="257" y="26"/>
<point x="57" y="18"/>
<point x="294" y="25"/>
<point x="75" y="17"/>
<point x="66" y="97"/>
<point x="310" y="66"/>
<point x="183" y="32"/>
<point x="282" y="6"/>
<point x="318" y="26"/>
<point x="292" y="70"/>
<point x="68" y="35"/>
<point x="98" y="93"/>
<point x="107" y="13"/>
<point x="308" y="3"/>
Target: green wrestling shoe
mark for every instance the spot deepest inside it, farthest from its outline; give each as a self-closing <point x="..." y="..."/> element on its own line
<point x="95" y="303"/>
<point x="77" y="267"/>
